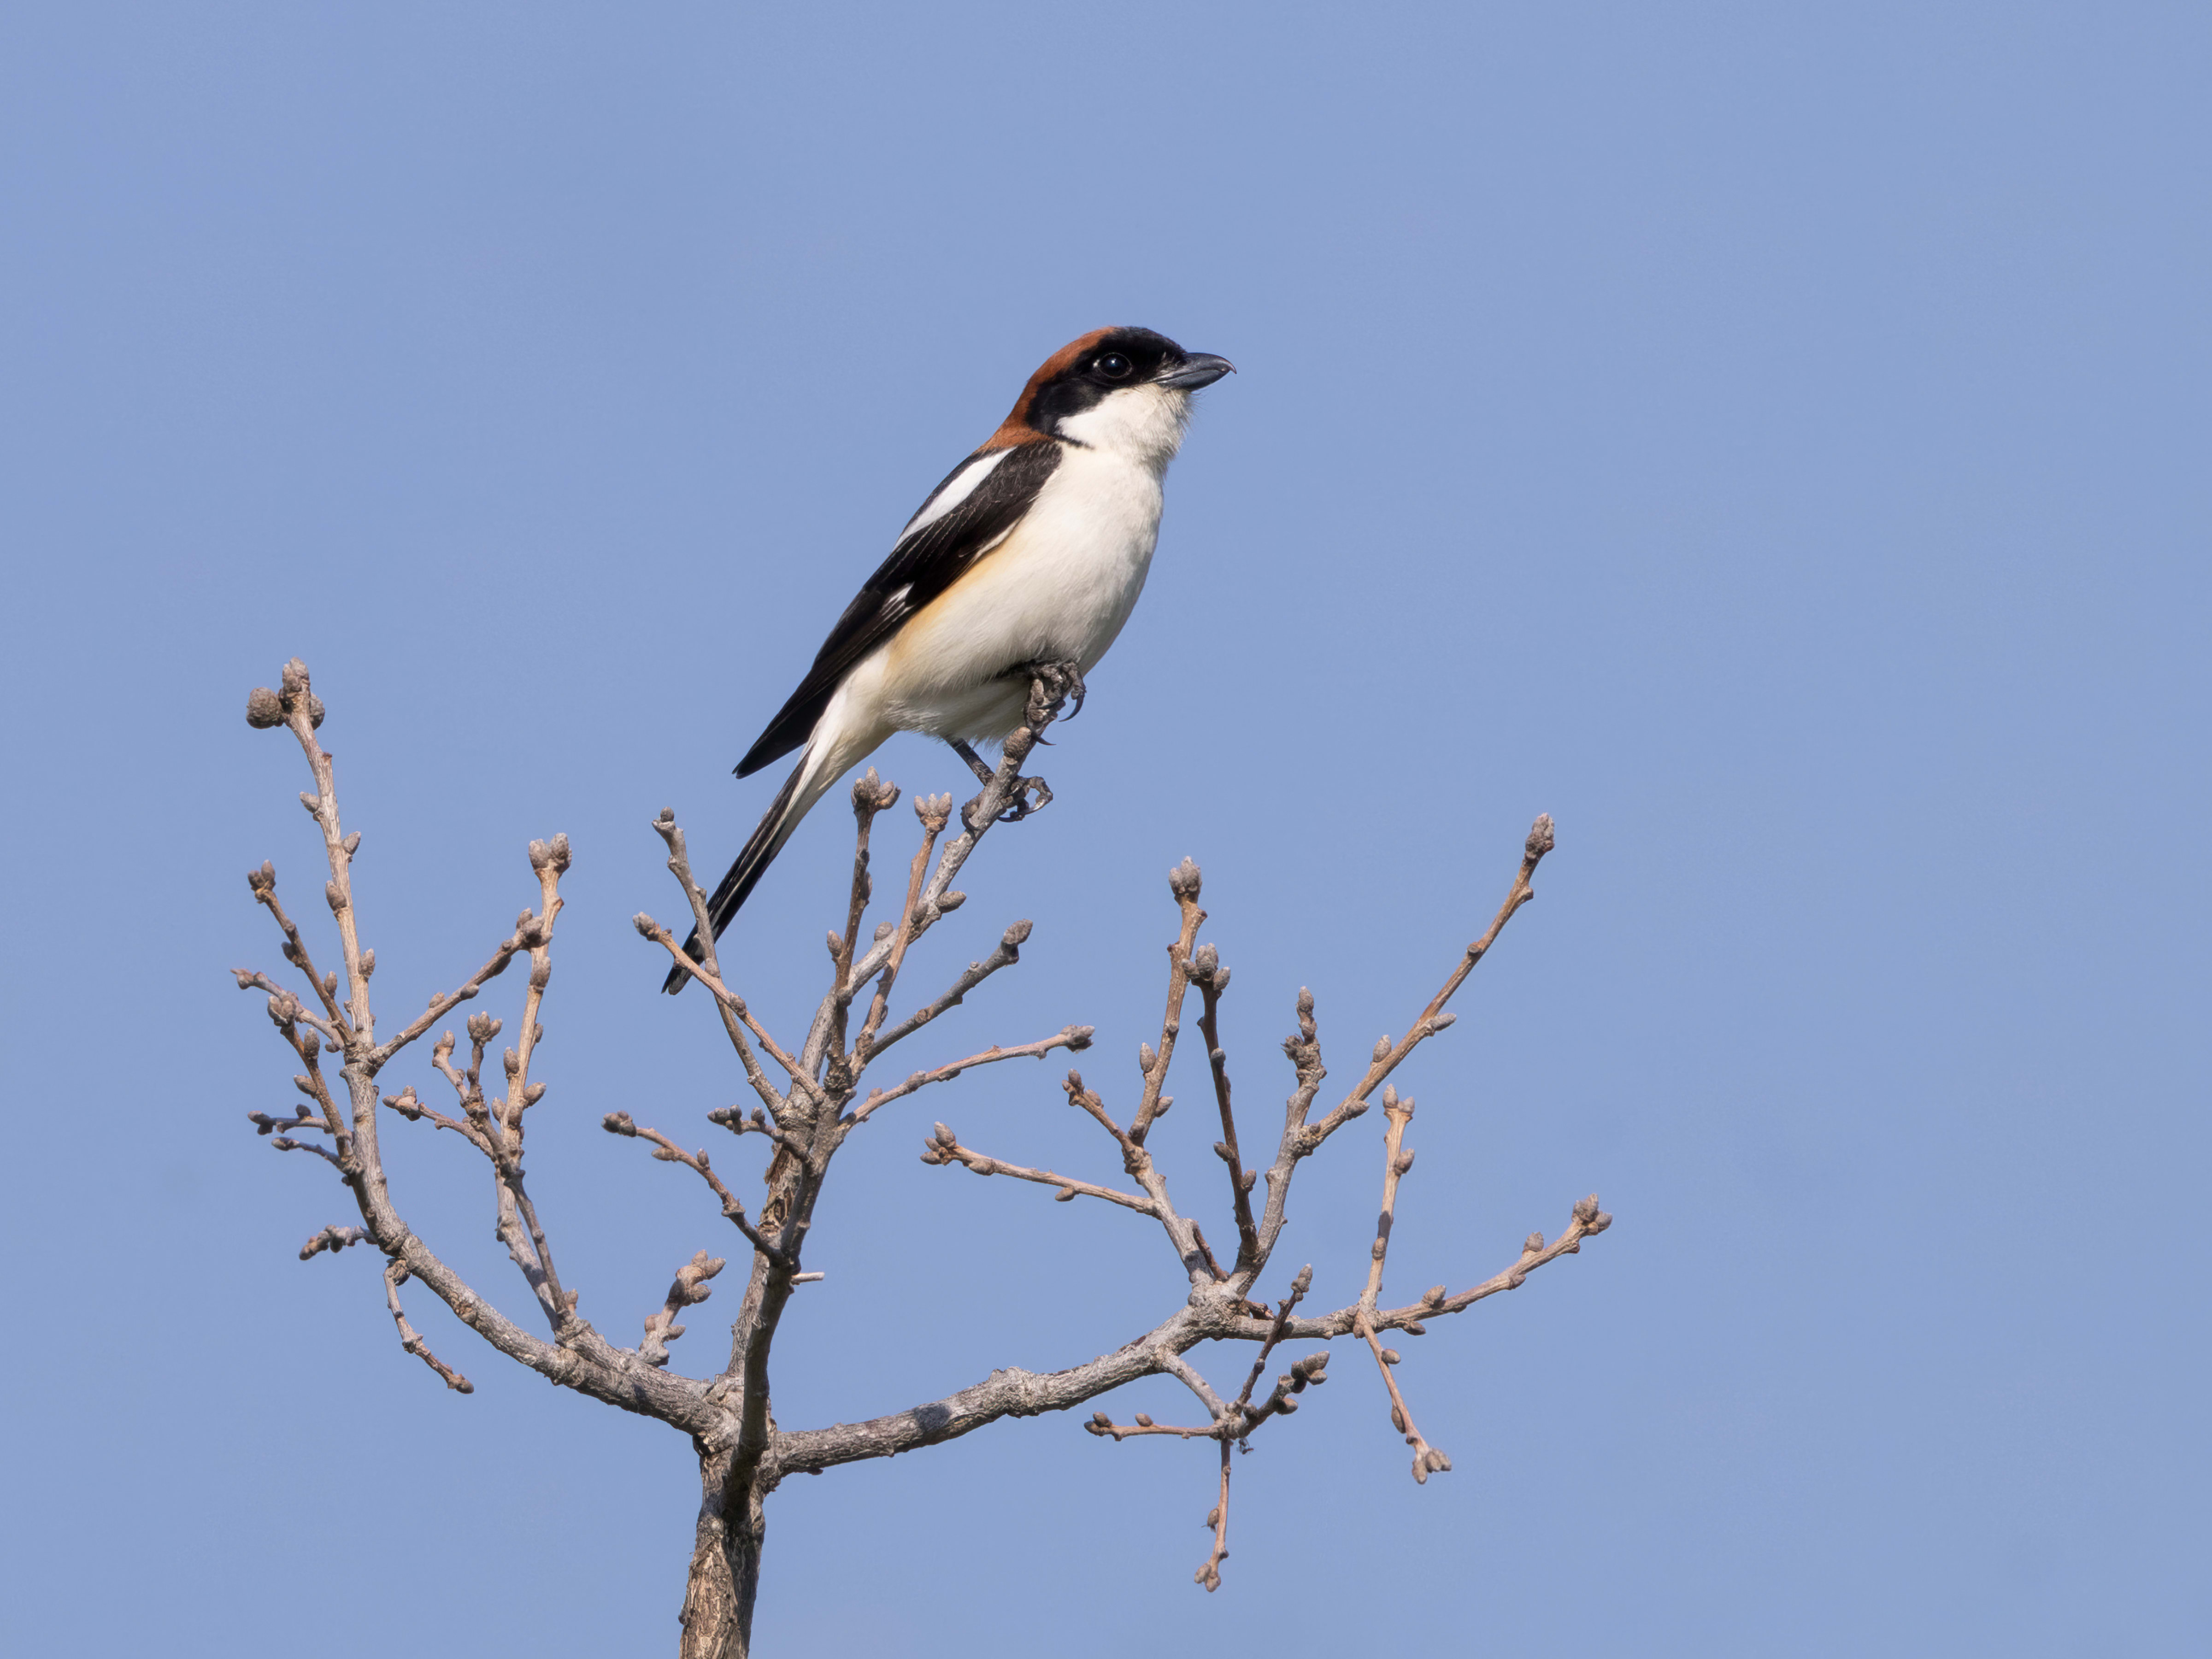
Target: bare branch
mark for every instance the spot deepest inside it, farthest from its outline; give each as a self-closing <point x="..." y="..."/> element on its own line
<point x="333" y="1239"/>
<point x="620" y="1123"/>
<point x="1183" y="1372"/>
<point x="679" y="865"/>
<point x="294" y="1009"/>
<point x="653" y="930"/>
<point x="406" y="1103"/>
<point x="871" y="795"/>
<point x="937" y="899"/>
<point x="935" y="811"/>
<point x="1005" y="1392"/>
<point x="1209" y="1571"/>
<point x="1388" y="1056"/>
<point x="264" y="884"/>
<point x="945" y="1148"/>
<point x="1106" y="1428"/>
<point x="1183" y="883"/>
<point x="1396" y="1161"/>
<point x="1008" y="952"/>
<point x="286" y="1144"/>
<point x="1073" y="1038"/>
<point x="1300" y="1286"/>
<point x="445" y="1003"/>
<point x="1212" y="980"/>
<point x="1586" y="1221"/>
<point x="690" y="1288"/>
<point x="1197" y="1262"/>
<point x="395" y="1275"/>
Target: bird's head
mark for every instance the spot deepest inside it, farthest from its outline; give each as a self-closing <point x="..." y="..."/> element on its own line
<point x="1123" y="390"/>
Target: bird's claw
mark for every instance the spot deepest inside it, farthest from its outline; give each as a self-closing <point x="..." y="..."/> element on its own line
<point x="1021" y="806"/>
<point x="1052" y="685"/>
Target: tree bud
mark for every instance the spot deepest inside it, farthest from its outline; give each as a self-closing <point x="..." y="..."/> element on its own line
<point x="313" y="802"/>
<point x="1183" y="881"/>
<point x="264" y="708"/>
<point x="618" y="1123"/>
<point x="1204" y="962"/>
<point x="1017" y="935"/>
<point x="948" y="902"/>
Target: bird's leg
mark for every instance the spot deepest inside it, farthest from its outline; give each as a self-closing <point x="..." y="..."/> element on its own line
<point x="1021" y="808"/>
<point x="976" y="763"/>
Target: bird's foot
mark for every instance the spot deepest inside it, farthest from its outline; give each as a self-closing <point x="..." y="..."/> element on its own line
<point x="1030" y="795"/>
<point x="1051" y="685"/>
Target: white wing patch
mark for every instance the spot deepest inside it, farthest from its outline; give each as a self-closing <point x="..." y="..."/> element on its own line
<point x="955" y="490"/>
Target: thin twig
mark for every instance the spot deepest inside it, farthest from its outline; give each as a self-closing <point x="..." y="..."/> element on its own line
<point x="1007" y="952"/>
<point x="1073" y="1038"/>
<point x="935" y="811"/>
<point x="395" y="1275"/>
<point x="943" y="1147"/>
<point x="1183" y="883"/>
<point x="621" y="1123"/>
<point x="699" y="970"/>
<point x="1209" y="1571"/>
<point x="1212" y="980"/>
<point x="689" y="1288"/>
<point x="679" y="865"/>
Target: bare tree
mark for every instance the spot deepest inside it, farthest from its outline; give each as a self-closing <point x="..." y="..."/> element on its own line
<point x="811" y="1101"/>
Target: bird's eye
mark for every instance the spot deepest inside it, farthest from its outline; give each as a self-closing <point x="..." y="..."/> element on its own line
<point x="1113" y="365"/>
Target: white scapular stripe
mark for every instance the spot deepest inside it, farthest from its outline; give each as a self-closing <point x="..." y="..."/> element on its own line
<point x="957" y="490"/>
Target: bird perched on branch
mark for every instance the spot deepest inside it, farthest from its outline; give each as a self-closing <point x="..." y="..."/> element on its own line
<point x="1025" y="564"/>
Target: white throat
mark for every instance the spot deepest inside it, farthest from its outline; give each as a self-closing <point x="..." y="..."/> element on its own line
<point x="1140" y="423"/>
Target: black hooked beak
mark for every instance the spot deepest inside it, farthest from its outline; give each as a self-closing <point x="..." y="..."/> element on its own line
<point x="1197" y="369"/>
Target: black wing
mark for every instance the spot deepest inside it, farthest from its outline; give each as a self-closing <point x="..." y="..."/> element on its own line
<point x="924" y="563"/>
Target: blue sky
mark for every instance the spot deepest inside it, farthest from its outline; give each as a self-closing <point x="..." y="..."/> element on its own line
<point x="1771" y="439"/>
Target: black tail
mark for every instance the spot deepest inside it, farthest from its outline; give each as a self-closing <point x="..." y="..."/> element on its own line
<point x="745" y="875"/>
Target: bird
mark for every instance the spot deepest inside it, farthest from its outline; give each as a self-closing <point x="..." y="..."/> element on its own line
<point x="1026" y="561"/>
